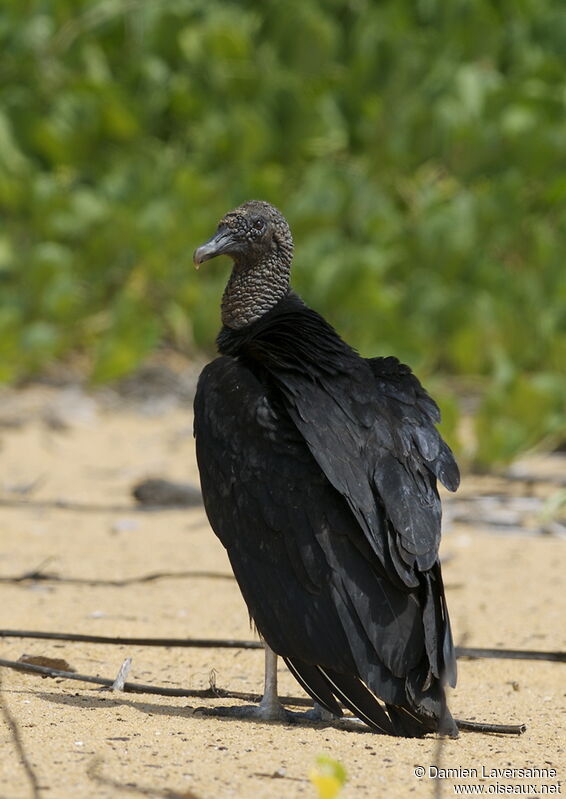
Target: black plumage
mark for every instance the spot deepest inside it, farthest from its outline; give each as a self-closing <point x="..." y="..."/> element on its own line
<point x="318" y="471"/>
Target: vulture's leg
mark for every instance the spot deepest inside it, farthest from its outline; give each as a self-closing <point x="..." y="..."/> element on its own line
<point x="319" y="713"/>
<point x="270" y="708"/>
<point x="270" y="704"/>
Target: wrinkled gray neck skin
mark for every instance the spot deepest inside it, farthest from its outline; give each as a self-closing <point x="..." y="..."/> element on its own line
<point x="255" y="286"/>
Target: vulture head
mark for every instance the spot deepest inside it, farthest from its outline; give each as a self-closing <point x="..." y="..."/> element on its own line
<point x="253" y="233"/>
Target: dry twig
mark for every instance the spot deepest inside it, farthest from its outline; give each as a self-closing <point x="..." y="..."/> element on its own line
<point x="213" y="693"/>
<point x="229" y="643"/>
<point x="18" y="744"/>
<point x="199" y="643"/>
<point x="120" y="681"/>
<point x="38" y="575"/>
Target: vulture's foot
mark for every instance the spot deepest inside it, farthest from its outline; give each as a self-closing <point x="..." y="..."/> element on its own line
<point x="317" y="713"/>
<point x="271" y="709"/>
<point x="265" y="711"/>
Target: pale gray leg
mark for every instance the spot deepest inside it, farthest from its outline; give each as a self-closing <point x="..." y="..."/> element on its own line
<point x="319" y="713"/>
<point x="270" y="708"/>
<point x="316" y="713"/>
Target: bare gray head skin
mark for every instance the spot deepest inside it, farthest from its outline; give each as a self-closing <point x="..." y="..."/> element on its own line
<point x="258" y="239"/>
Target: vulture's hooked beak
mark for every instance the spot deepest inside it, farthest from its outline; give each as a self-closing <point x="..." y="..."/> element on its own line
<point x="222" y="243"/>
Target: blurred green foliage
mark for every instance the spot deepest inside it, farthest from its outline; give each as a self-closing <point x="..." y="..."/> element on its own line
<point x="416" y="146"/>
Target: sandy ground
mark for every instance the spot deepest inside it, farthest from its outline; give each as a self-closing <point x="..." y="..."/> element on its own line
<point x="503" y="591"/>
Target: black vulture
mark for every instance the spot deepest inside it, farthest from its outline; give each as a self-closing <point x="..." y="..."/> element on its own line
<point x="318" y="470"/>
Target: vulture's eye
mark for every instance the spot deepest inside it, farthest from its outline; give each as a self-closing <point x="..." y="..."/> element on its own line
<point x="258" y="226"/>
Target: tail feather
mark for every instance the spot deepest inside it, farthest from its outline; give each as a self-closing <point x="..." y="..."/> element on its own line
<point x="310" y="678"/>
<point x="325" y="685"/>
<point x="359" y="699"/>
<point x="407" y="724"/>
<point x="427" y="712"/>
